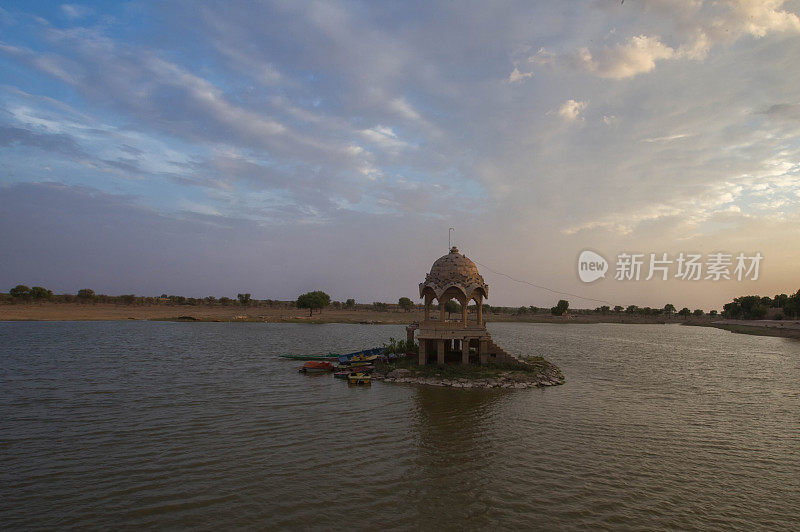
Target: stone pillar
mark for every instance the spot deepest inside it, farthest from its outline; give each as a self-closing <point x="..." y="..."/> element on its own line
<point x="441" y="312"/>
<point x="440" y="352"/>
<point x="423" y="355"/>
<point x="465" y="351"/>
<point x="409" y="335"/>
<point x="480" y="312"/>
<point x="464" y="311"/>
<point x="427" y="310"/>
<point x="483" y="351"/>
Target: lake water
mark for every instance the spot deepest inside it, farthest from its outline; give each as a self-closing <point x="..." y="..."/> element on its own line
<point x="148" y="424"/>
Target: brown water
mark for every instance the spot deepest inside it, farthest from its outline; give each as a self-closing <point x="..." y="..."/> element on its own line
<point x="200" y="425"/>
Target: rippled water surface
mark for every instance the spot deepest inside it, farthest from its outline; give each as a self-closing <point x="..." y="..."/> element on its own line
<point x="201" y="425"/>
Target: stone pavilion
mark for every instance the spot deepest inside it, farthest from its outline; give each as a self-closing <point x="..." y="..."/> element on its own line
<point x="465" y="339"/>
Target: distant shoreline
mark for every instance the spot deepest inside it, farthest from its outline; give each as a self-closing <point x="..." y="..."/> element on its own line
<point x="48" y="311"/>
<point x="52" y="311"/>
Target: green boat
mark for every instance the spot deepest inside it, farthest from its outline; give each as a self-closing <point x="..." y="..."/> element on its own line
<point x="311" y="356"/>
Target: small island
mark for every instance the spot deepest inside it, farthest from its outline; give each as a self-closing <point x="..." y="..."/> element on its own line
<point x="533" y="372"/>
<point x="461" y="353"/>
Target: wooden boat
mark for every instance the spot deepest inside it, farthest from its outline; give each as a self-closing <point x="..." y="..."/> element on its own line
<point x="359" y="378"/>
<point x="344" y="359"/>
<point x="316" y="366"/>
<point x="362" y="360"/>
<point x="311" y="356"/>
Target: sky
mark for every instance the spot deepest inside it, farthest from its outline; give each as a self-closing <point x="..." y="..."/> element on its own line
<point x="211" y="148"/>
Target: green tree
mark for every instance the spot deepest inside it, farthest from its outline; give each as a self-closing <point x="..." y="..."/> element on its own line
<point x="350" y="304"/>
<point x="780" y="300"/>
<point x="451" y="307"/>
<point x="20" y="292"/>
<point x="128" y="299"/>
<point x="561" y="308"/>
<point x="685" y="312"/>
<point x="712" y="313"/>
<point x="669" y="309"/>
<point x="86" y="294"/>
<point x="618" y="309"/>
<point x="632" y="309"/>
<point x="792" y="306"/>
<point x="534" y="310"/>
<point x="697" y="313"/>
<point x="313" y="300"/>
<point x="604" y="310"/>
<point x="210" y="300"/>
<point x="380" y="307"/>
<point x="40" y="292"/>
<point x="244" y="299"/>
<point x="405" y="304"/>
<point x="225" y="301"/>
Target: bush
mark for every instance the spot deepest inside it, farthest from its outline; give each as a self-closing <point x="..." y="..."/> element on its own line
<point x="400" y="346"/>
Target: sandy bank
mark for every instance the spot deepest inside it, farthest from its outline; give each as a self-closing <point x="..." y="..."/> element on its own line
<point x="49" y="311"/>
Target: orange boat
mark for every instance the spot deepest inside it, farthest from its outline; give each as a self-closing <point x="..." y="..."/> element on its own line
<point x="316" y="366"/>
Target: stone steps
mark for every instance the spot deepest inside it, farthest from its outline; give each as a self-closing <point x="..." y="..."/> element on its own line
<point x="501" y="355"/>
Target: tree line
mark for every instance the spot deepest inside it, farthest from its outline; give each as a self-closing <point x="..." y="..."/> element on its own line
<point x="745" y="307"/>
<point x="779" y="306"/>
<point x="25" y="294"/>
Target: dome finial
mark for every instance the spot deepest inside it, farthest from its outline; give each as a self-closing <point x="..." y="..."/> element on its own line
<point x="453" y="249"/>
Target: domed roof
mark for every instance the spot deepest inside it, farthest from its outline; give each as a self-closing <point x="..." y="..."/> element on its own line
<point x="454" y="270"/>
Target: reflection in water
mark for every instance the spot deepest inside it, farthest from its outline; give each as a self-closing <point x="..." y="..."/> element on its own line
<point x="200" y="424"/>
<point x="455" y="454"/>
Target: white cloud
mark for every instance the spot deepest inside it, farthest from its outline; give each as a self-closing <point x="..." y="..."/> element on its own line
<point x="700" y="25"/>
<point x="760" y="17"/>
<point x="667" y="138"/>
<point x="635" y="56"/>
<point x="516" y="75"/>
<point x="75" y="11"/>
<point x="571" y="110"/>
<point x="384" y="137"/>
<point x="404" y="109"/>
<point x="543" y="57"/>
<point x="198" y="208"/>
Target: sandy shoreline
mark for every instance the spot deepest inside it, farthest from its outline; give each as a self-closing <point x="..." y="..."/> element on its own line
<point x="49" y="311"/>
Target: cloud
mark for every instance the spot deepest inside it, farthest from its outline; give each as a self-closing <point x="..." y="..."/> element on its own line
<point x="667" y="138"/>
<point x="327" y="124"/>
<point x="700" y="26"/>
<point x="635" y="56"/>
<point x="783" y="111"/>
<point x="50" y="142"/>
<point x="571" y="110"/>
<point x="760" y="17"/>
<point x="384" y="137"/>
<point x="75" y="11"/>
<point x="516" y="75"/>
